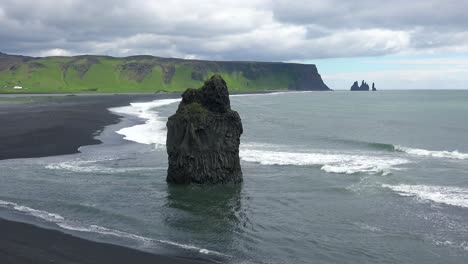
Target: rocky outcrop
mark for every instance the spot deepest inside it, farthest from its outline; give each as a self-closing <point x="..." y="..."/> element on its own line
<point x="373" y="87"/>
<point x="203" y="137"/>
<point x="355" y="86"/>
<point x="363" y="87"/>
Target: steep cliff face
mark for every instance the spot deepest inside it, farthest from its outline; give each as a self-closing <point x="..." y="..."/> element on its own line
<point x="307" y="78"/>
<point x="148" y="74"/>
<point x="203" y="137"/>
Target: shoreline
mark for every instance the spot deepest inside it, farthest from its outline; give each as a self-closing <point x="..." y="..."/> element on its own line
<point x="44" y="125"/>
<point x="50" y="126"/>
<point x="24" y="243"/>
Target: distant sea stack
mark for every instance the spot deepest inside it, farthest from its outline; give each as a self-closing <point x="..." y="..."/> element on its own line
<point x="203" y="137"/>
<point x="363" y="87"/>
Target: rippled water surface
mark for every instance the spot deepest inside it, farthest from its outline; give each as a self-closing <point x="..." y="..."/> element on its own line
<point x="329" y="177"/>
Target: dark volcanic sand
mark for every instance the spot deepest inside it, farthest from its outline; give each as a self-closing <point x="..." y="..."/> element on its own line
<point x="47" y="126"/>
<point x="25" y="243"/>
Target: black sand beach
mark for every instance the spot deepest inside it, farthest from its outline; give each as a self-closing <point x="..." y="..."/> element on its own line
<point x="47" y="126"/>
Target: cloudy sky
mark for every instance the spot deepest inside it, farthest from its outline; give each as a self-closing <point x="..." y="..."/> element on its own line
<point x="398" y="44"/>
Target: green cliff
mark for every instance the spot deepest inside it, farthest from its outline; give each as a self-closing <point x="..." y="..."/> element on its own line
<point x="104" y="74"/>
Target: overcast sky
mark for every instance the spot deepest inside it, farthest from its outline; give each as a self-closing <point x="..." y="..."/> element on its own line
<point x="413" y="41"/>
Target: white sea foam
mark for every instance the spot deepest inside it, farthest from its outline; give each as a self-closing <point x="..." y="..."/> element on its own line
<point x="30" y="211"/>
<point x="368" y="227"/>
<point x="154" y="129"/>
<point x="335" y="163"/>
<point x="154" y="132"/>
<point x="432" y="153"/>
<point x="463" y="245"/>
<point x="80" y="227"/>
<point x="90" y="166"/>
<point x="455" y="196"/>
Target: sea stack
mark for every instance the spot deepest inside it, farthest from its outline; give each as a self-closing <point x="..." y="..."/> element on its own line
<point x="364" y="86"/>
<point x="203" y="137"/>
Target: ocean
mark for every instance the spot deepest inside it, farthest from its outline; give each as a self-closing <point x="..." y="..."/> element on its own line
<point x="329" y="177"/>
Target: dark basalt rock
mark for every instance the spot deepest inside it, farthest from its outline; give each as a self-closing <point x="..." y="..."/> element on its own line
<point x="373" y="87"/>
<point x="355" y="86"/>
<point x="364" y="86"/>
<point x="203" y="137"/>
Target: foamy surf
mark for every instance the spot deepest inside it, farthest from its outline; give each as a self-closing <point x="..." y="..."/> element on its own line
<point x="80" y="227"/>
<point x="154" y="132"/>
<point x="50" y="217"/>
<point x="334" y="163"/>
<point x="91" y="166"/>
<point x="463" y="245"/>
<point x="432" y="153"/>
<point x="154" y="129"/>
<point x="455" y="196"/>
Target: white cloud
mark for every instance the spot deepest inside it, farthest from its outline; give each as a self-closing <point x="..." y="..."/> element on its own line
<point x="234" y="30"/>
<point x="55" y="52"/>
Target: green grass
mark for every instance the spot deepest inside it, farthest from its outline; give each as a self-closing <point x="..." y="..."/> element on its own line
<point x="105" y="75"/>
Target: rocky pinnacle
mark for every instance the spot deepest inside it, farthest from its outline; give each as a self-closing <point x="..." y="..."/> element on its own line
<point x="203" y="137"/>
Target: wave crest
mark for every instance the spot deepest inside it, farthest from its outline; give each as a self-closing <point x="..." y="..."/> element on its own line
<point x="91" y="166"/>
<point x="455" y="196"/>
<point x="335" y="163"/>
<point x="432" y="153"/>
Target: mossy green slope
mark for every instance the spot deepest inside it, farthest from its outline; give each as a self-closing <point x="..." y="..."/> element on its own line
<point x="102" y="74"/>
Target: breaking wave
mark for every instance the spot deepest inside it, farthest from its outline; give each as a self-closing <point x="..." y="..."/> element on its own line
<point x="91" y="166"/>
<point x="80" y="227"/>
<point x="412" y="151"/>
<point x="50" y="217"/>
<point x="430" y="153"/>
<point x="153" y="131"/>
<point x="455" y="196"/>
<point x="334" y="163"/>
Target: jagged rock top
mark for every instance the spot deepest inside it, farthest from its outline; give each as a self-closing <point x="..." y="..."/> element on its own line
<point x="363" y="87"/>
<point x="213" y="96"/>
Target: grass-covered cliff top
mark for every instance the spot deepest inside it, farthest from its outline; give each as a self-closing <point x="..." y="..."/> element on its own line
<point x="103" y="74"/>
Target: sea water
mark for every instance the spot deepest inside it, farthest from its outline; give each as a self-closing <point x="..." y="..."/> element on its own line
<point x="329" y="177"/>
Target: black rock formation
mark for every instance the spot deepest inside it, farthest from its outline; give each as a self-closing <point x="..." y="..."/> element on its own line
<point x="355" y="86"/>
<point x="203" y="137"/>
<point x="373" y="87"/>
<point x="364" y="86"/>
